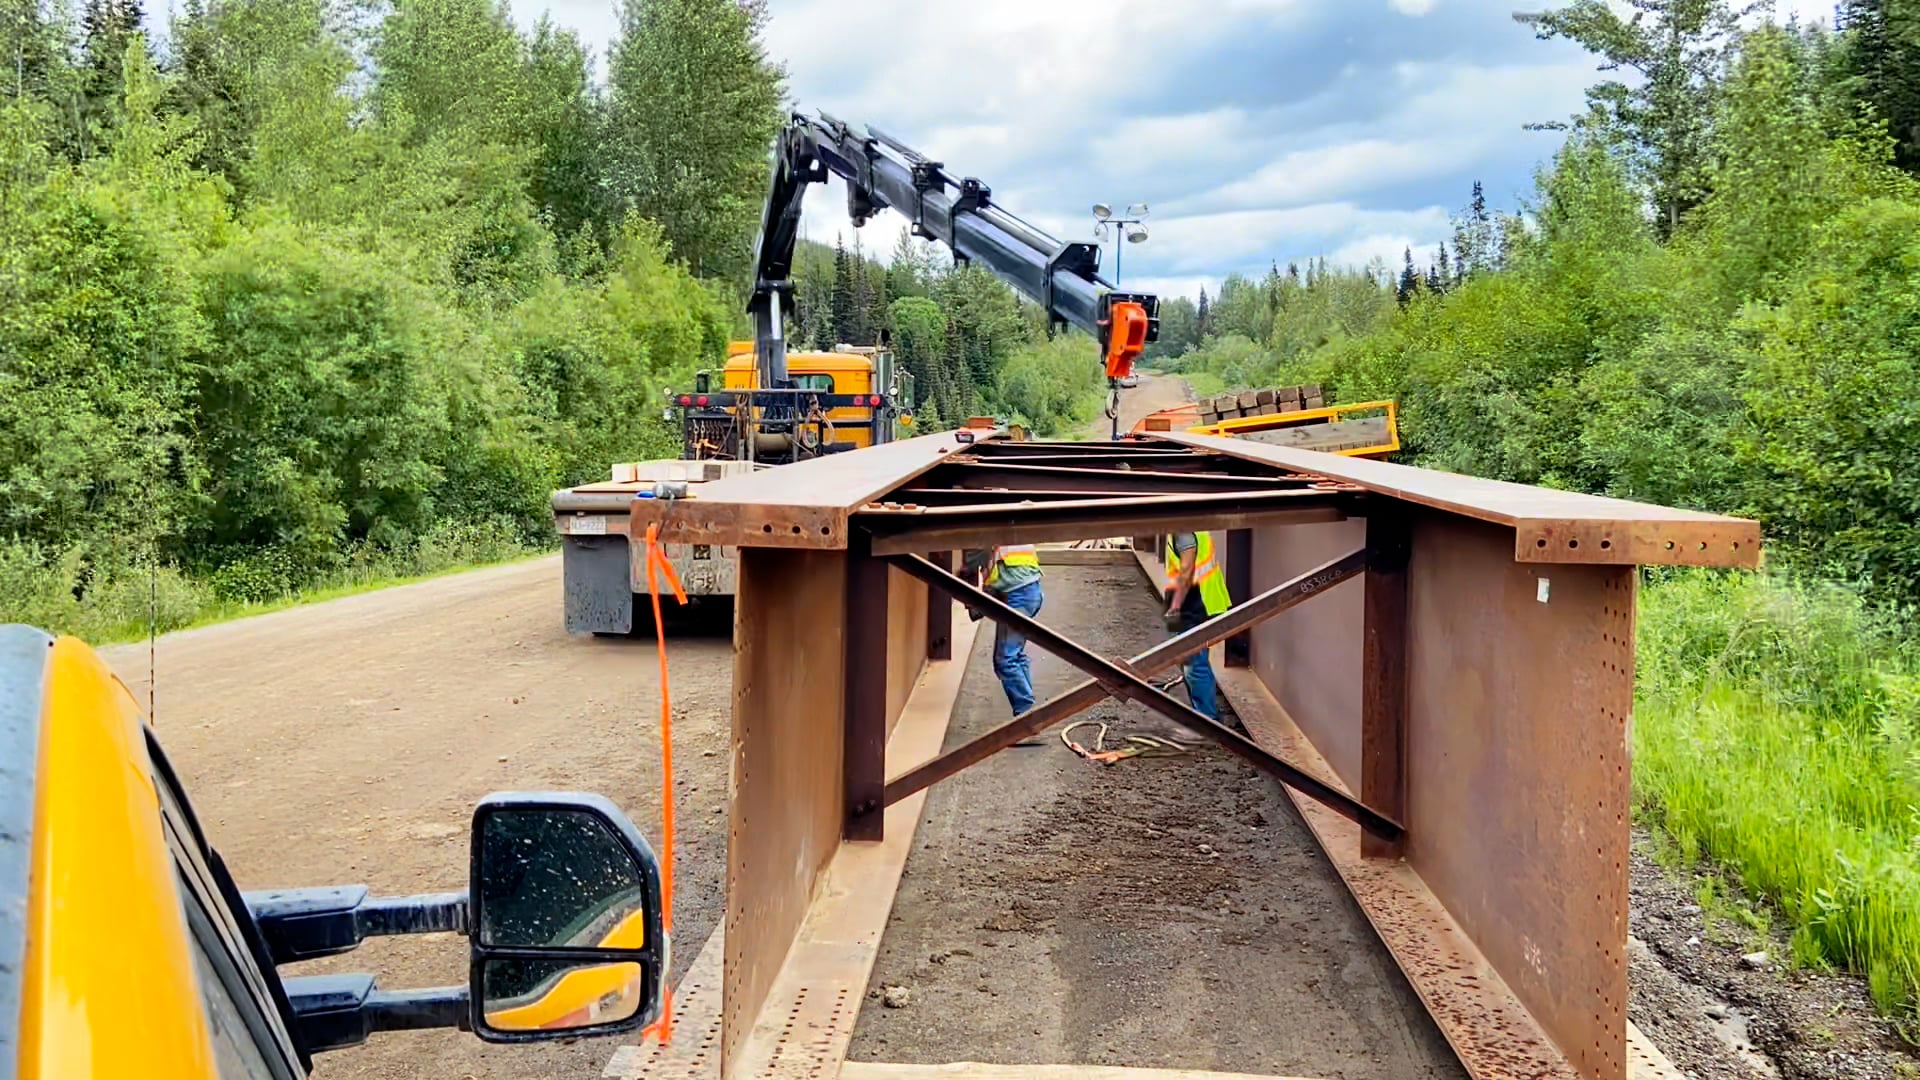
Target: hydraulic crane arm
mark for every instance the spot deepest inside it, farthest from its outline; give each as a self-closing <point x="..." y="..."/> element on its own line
<point x="881" y="172"/>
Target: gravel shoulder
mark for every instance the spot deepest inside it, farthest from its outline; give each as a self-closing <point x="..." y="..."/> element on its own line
<point x="348" y="741"/>
<point x="1721" y="998"/>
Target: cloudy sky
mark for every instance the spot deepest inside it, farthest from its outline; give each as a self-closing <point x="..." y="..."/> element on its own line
<point x="1255" y="130"/>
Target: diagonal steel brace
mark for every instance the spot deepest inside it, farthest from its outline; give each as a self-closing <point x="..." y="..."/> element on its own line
<point x="1235" y="620"/>
<point x="1124" y="684"/>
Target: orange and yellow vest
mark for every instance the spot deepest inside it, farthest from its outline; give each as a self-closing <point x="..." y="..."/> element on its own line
<point x="1208" y="577"/>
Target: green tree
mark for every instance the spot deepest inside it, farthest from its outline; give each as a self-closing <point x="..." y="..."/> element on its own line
<point x="1882" y="53"/>
<point x="1055" y="386"/>
<point x="920" y="341"/>
<point x="1834" y="397"/>
<point x="692" y="104"/>
<point x="844" y="301"/>
<point x="1677" y="50"/>
<point x="562" y="119"/>
<point x="1179" y="328"/>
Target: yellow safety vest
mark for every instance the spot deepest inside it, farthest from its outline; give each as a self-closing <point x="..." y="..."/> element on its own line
<point x="1012" y="555"/>
<point x="1208" y="577"/>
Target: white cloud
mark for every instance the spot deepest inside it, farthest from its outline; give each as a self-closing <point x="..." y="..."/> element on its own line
<point x="1305" y="176"/>
<point x="1257" y="129"/>
<point x="1239" y="239"/>
<point x="1148" y="143"/>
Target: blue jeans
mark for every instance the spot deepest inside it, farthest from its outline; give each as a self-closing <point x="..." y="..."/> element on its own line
<point x="1199" y="675"/>
<point x="1010" y="648"/>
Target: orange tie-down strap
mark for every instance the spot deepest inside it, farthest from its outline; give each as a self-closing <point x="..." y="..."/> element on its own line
<point x="658" y="565"/>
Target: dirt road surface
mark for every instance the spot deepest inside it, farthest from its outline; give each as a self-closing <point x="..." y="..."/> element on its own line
<point x="1154" y="393"/>
<point x="1059" y="912"/>
<point x="348" y="742"/>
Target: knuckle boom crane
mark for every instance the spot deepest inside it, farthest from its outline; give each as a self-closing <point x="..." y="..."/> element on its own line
<point x="764" y="415"/>
<point x="880" y="172"/>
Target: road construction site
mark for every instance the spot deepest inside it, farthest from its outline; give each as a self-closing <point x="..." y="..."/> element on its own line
<point x="1170" y="913"/>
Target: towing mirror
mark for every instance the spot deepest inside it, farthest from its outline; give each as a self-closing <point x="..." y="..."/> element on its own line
<point x="566" y="921"/>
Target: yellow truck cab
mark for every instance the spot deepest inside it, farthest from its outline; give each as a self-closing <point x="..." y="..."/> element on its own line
<point x="849" y="371"/>
<point x="126" y="950"/>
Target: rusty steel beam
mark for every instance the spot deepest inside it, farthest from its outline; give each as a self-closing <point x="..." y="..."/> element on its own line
<point x="864" y="661"/>
<point x="1383" y="672"/>
<point x="926" y="496"/>
<point x="1127" y="686"/>
<point x="1235" y="620"/>
<point x="1137" y="481"/>
<point x="939" y="614"/>
<point x="904" y="531"/>
<point x="1239" y="571"/>
<point x="804" y="505"/>
<point x="1549" y="526"/>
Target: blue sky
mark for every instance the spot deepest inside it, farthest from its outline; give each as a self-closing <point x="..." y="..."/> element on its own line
<point x="1256" y="130"/>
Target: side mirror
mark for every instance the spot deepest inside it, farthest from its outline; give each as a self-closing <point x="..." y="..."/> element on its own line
<point x="566" y="931"/>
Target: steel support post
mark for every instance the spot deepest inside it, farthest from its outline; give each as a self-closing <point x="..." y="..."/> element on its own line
<point x="1239" y="570"/>
<point x="1383" y="674"/>
<point x="864" y="663"/>
<point x="1127" y="686"/>
<point x="940" y="613"/>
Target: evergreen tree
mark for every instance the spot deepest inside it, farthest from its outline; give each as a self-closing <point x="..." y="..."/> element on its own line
<point x="1883" y="57"/>
<point x="1437" y="272"/>
<point x="861" y="320"/>
<point x="845" y="323"/>
<point x="879" y="300"/>
<point x="106" y="28"/>
<point x="1409" y="280"/>
<point x="1293" y="272"/>
<point x="1203" y="320"/>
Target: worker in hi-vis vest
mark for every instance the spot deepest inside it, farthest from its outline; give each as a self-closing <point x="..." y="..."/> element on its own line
<point x="1197" y="592"/>
<point x="1012" y="574"/>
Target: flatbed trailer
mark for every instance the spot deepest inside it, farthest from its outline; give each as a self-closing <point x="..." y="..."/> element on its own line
<point x="1437" y="669"/>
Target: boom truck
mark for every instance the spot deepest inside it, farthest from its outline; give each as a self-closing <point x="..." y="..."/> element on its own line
<point x="774" y="407"/>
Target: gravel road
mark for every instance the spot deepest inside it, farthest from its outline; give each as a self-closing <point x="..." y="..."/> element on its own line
<point x="348" y="742"/>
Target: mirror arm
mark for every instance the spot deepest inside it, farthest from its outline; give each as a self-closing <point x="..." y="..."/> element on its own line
<point x="304" y="924"/>
<point x="337" y="1011"/>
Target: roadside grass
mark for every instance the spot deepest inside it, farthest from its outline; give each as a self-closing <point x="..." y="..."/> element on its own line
<point x="1204" y="383"/>
<point x="109" y="604"/>
<point x="1777" y="734"/>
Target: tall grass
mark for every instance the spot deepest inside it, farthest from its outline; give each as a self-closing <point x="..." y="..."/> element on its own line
<point x="1777" y="733"/>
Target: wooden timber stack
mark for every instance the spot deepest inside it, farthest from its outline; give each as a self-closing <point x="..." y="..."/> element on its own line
<point x="1268" y="402"/>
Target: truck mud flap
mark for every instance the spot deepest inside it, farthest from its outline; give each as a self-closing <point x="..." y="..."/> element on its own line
<point x="599" y="592"/>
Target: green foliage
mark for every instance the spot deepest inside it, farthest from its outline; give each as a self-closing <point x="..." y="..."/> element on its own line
<point x="1777" y="731"/>
<point x="693" y="102"/>
<point x="271" y="326"/>
<point x="1053" y="386"/>
<point x="1833" y="392"/>
<point x="1663" y="121"/>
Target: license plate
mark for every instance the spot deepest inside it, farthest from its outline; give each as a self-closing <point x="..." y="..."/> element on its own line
<point x="702" y="551"/>
<point x="586" y="525"/>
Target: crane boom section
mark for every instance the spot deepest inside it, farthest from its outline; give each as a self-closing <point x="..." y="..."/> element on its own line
<point x="881" y="172"/>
